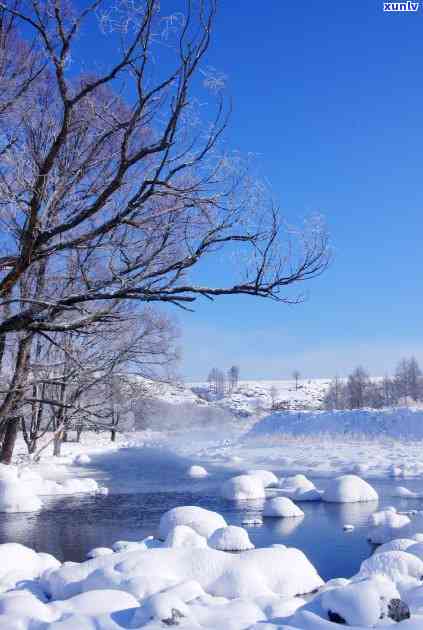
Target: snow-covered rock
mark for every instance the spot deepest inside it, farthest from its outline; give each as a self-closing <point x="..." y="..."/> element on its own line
<point x="184" y="536"/>
<point x="282" y="507"/>
<point x="268" y="478"/>
<point x="357" y="604"/>
<point x="202" y="521"/>
<point x="349" y="489"/>
<point x="243" y="487"/>
<point x="197" y="472"/>
<point x="388" y="524"/>
<point x="230" y="538"/>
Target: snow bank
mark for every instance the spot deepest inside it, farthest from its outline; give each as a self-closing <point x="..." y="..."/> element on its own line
<point x="18" y="496"/>
<point x="203" y="522"/>
<point x="399" y="423"/>
<point x="20" y="489"/>
<point x="230" y="538"/>
<point x="243" y="487"/>
<point x="349" y="489"/>
<point x="282" y="507"/>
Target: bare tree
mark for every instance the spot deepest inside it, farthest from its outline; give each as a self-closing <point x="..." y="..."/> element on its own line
<point x="273" y="395"/>
<point x="105" y="200"/>
<point x="296" y="376"/>
<point x="233" y="376"/>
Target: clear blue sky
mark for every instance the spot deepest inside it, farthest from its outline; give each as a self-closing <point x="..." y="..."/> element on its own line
<point x="329" y="95"/>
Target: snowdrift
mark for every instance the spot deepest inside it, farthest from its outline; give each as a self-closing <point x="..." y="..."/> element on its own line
<point x="399" y="423"/>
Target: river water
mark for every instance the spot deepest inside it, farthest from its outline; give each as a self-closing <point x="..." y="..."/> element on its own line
<point x="69" y="527"/>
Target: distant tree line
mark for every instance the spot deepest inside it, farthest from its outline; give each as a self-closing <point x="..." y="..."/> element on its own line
<point x="360" y="390"/>
<point x="221" y="383"/>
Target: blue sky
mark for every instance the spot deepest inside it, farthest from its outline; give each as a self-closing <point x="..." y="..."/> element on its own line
<point x="329" y="96"/>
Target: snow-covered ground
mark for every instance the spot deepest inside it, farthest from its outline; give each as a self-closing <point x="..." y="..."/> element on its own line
<point x="190" y="577"/>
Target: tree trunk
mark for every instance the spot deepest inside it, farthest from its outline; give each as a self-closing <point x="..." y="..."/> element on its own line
<point x="113" y="435"/>
<point x="11" y="402"/>
<point x="58" y="444"/>
<point x="9" y="440"/>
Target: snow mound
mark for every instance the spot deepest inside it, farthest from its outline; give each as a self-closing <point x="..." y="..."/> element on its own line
<point x="81" y="460"/>
<point x="99" y="551"/>
<point x="387" y="525"/>
<point x="282" y="507"/>
<point x="197" y="472"/>
<point x="243" y="487"/>
<point x="268" y="478"/>
<point x="230" y="538"/>
<point x="184" y="536"/>
<point x="296" y="482"/>
<point x="404" y="493"/>
<point x="394" y="564"/>
<point x="349" y="489"/>
<point x="299" y="488"/>
<point x="416" y="549"/>
<point x="18" y="496"/>
<point x="203" y="522"/>
<point x="398" y="544"/>
<point x="19" y="564"/>
<point x="357" y="603"/>
<point x="276" y="570"/>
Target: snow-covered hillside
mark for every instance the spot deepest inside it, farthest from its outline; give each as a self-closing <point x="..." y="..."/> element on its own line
<point x="397" y="423"/>
<point x="252" y="396"/>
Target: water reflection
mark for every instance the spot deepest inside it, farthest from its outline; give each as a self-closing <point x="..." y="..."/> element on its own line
<point x="282" y="527"/>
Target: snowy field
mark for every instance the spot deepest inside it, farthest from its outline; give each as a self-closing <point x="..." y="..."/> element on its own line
<point x="196" y="571"/>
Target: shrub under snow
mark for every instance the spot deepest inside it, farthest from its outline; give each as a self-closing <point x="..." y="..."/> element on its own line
<point x="230" y="538"/>
<point x="202" y="521"/>
<point x="349" y="489"/>
<point x="282" y="507"/>
<point x="243" y="487"/>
